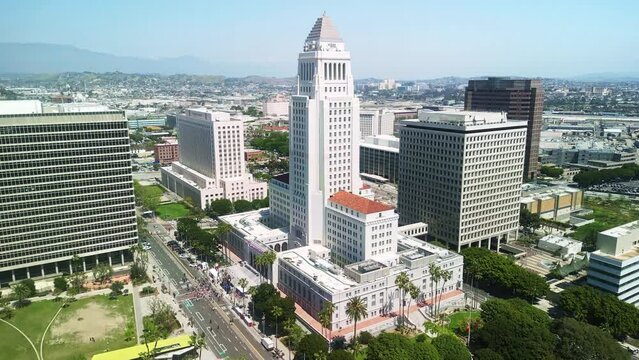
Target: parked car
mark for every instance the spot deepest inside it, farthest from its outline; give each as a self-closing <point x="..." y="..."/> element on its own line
<point x="267" y="343"/>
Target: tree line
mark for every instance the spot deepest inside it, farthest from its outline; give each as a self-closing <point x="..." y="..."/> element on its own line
<point x="588" y="178"/>
<point x="223" y="207"/>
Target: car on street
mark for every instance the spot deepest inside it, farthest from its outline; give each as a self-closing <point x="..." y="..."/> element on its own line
<point x="267" y="343"/>
<point x="183" y="255"/>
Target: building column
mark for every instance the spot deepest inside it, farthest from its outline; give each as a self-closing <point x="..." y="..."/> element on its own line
<point x="57" y="271"/>
<point x="498" y="243"/>
<point x="13" y="275"/>
<point x="28" y="273"/>
<point x="70" y="268"/>
<point x="110" y="260"/>
<point x="122" y="257"/>
<point x="489" y="243"/>
<point x="96" y="260"/>
<point x="42" y="270"/>
<point x="84" y="264"/>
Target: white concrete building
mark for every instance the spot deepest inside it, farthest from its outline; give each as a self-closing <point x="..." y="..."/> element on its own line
<point x="358" y="228"/>
<point x="279" y="199"/>
<point x="562" y="246"/>
<point x="211" y="162"/>
<point x="461" y="173"/>
<point x="374" y="122"/>
<point x="15" y="107"/>
<point x="307" y="275"/>
<point x="615" y="266"/>
<point x="324" y="132"/>
<point x="276" y="106"/>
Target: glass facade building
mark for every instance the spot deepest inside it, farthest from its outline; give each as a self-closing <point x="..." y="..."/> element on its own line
<point x="65" y="189"/>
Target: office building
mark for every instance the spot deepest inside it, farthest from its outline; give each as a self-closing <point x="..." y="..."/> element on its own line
<point x="212" y="164"/>
<point x="323" y="132"/>
<point x="65" y="189"/>
<point x="379" y="158"/>
<point x="521" y="100"/>
<point x="552" y="202"/>
<point x="276" y="106"/>
<point x="167" y="151"/>
<point x="279" y="199"/>
<point x="374" y="122"/>
<point x="614" y="268"/>
<point x="461" y="173"/>
<point x="14" y="107"/>
<point x="358" y="228"/>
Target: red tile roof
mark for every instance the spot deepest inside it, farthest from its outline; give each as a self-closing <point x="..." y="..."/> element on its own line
<point x="365" y="186"/>
<point x="358" y="203"/>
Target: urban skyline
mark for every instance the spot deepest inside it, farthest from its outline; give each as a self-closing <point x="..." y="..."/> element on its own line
<point x="416" y="40"/>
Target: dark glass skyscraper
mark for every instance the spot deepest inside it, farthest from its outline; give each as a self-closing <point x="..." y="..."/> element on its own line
<point x="521" y="99"/>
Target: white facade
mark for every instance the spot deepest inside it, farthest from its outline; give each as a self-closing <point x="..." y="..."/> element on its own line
<point x="461" y="173"/>
<point x="373" y="122"/>
<point x="277" y="106"/>
<point x="279" y="199"/>
<point x="358" y="228"/>
<point x="211" y="162"/>
<point x="615" y="266"/>
<point x="323" y="132"/>
<point x="307" y="275"/>
<point x="565" y="247"/>
<point x="16" y="107"/>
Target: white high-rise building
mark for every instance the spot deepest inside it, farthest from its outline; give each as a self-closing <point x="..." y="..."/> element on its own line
<point x="461" y="173"/>
<point x="373" y="122"/>
<point x="211" y="162"/>
<point x="324" y="132"/>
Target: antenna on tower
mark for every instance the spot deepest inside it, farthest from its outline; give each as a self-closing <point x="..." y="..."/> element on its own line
<point x="324" y="13"/>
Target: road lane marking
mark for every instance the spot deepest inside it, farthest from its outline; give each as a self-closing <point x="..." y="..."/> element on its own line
<point x="199" y="316"/>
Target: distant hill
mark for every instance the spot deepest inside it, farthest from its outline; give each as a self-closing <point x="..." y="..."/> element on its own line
<point x="39" y="58"/>
<point x="607" y="77"/>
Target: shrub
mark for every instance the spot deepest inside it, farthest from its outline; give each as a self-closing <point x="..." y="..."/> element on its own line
<point x="148" y="290"/>
<point x="60" y="283"/>
<point x="365" y="337"/>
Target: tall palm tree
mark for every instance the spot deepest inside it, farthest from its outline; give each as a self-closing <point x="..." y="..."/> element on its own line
<point x="435" y="273"/>
<point x="326" y="318"/>
<point x="243" y="283"/>
<point x="259" y="263"/>
<point x="197" y="341"/>
<point x="414" y="292"/>
<point x="268" y="259"/>
<point x="402" y="281"/>
<point x="276" y="311"/>
<point x="221" y="231"/>
<point x="355" y="310"/>
<point x="252" y="291"/>
<point x="445" y="276"/>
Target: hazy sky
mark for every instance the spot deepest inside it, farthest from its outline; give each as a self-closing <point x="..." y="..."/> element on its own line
<point x="398" y="39"/>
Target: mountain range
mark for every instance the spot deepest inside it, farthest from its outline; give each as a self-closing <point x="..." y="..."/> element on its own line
<point x="36" y="58"/>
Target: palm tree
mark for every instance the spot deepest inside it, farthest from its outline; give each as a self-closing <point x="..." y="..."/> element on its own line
<point x="402" y="281"/>
<point x="435" y="273"/>
<point x="414" y="292"/>
<point x="326" y="318"/>
<point x="259" y="262"/>
<point x="277" y="312"/>
<point x="197" y="341"/>
<point x="221" y="232"/>
<point x="243" y="283"/>
<point x="252" y="291"/>
<point x="445" y="276"/>
<point x="265" y="261"/>
<point x="355" y="310"/>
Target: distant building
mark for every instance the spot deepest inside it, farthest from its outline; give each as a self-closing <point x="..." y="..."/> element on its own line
<point x="379" y="156"/>
<point x="16" y="107"/>
<point x="388" y="84"/>
<point x="589" y="158"/>
<point x="521" y="100"/>
<point x="65" y="190"/>
<point x="167" y="152"/>
<point x="276" y="106"/>
<point x="376" y="122"/>
<point x="461" y="173"/>
<point x="139" y="124"/>
<point x="279" y="199"/>
<point x="552" y="203"/>
<point x="614" y="268"/>
<point x="252" y="154"/>
<point x="211" y="162"/>
<point x="81" y="107"/>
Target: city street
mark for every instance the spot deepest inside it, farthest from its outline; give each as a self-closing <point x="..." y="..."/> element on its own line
<point x="211" y="316"/>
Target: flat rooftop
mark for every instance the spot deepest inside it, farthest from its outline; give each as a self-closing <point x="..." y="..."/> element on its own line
<point x="324" y="273"/>
<point x="622" y="230"/>
<point x="632" y="253"/>
<point x="560" y="240"/>
<point x="250" y="223"/>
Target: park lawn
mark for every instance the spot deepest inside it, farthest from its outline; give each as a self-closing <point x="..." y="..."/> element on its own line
<point x="172" y="211"/>
<point x="457" y="319"/>
<point x="72" y="344"/>
<point x="607" y="213"/>
<point x="153" y="190"/>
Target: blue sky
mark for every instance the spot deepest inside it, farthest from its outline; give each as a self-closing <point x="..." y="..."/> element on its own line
<point x="398" y="39"/>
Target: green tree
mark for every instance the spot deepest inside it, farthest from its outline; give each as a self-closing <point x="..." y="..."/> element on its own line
<point x="241" y="206"/>
<point x="340" y="354"/>
<point x="390" y="346"/>
<point x="435" y="275"/>
<point x="325" y="316"/>
<point x="222" y="233"/>
<point x="295" y="335"/>
<point x="529" y="221"/>
<point x="444" y="276"/>
<point x="77" y="278"/>
<point x="60" y="284"/>
<point x="102" y="272"/>
<point x="219" y="208"/>
<point x="310" y="346"/>
<point x="450" y="348"/>
<point x="30" y="284"/>
<point x="265" y="261"/>
<point x="21" y="292"/>
<point x="552" y="171"/>
<point x="243" y="283"/>
<point x="365" y="337"/>
<point x="402" y="282"/>
<point x="277" y="312"/>
<point x="425" y="351"/>
<point x="577" y="341"/>
<point x="197" y="341"/>
<point x="356" y="310"/>
<point x="487" y="354"/>
<point x="117" y="287"/>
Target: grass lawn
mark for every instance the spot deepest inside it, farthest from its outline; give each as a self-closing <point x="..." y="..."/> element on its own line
<point x="172" y="211"/>
<point x="68" y="337"/>
<point x="607" y="213"/>
<point x="153" y="190"/>
<point x="457" y="319"/>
